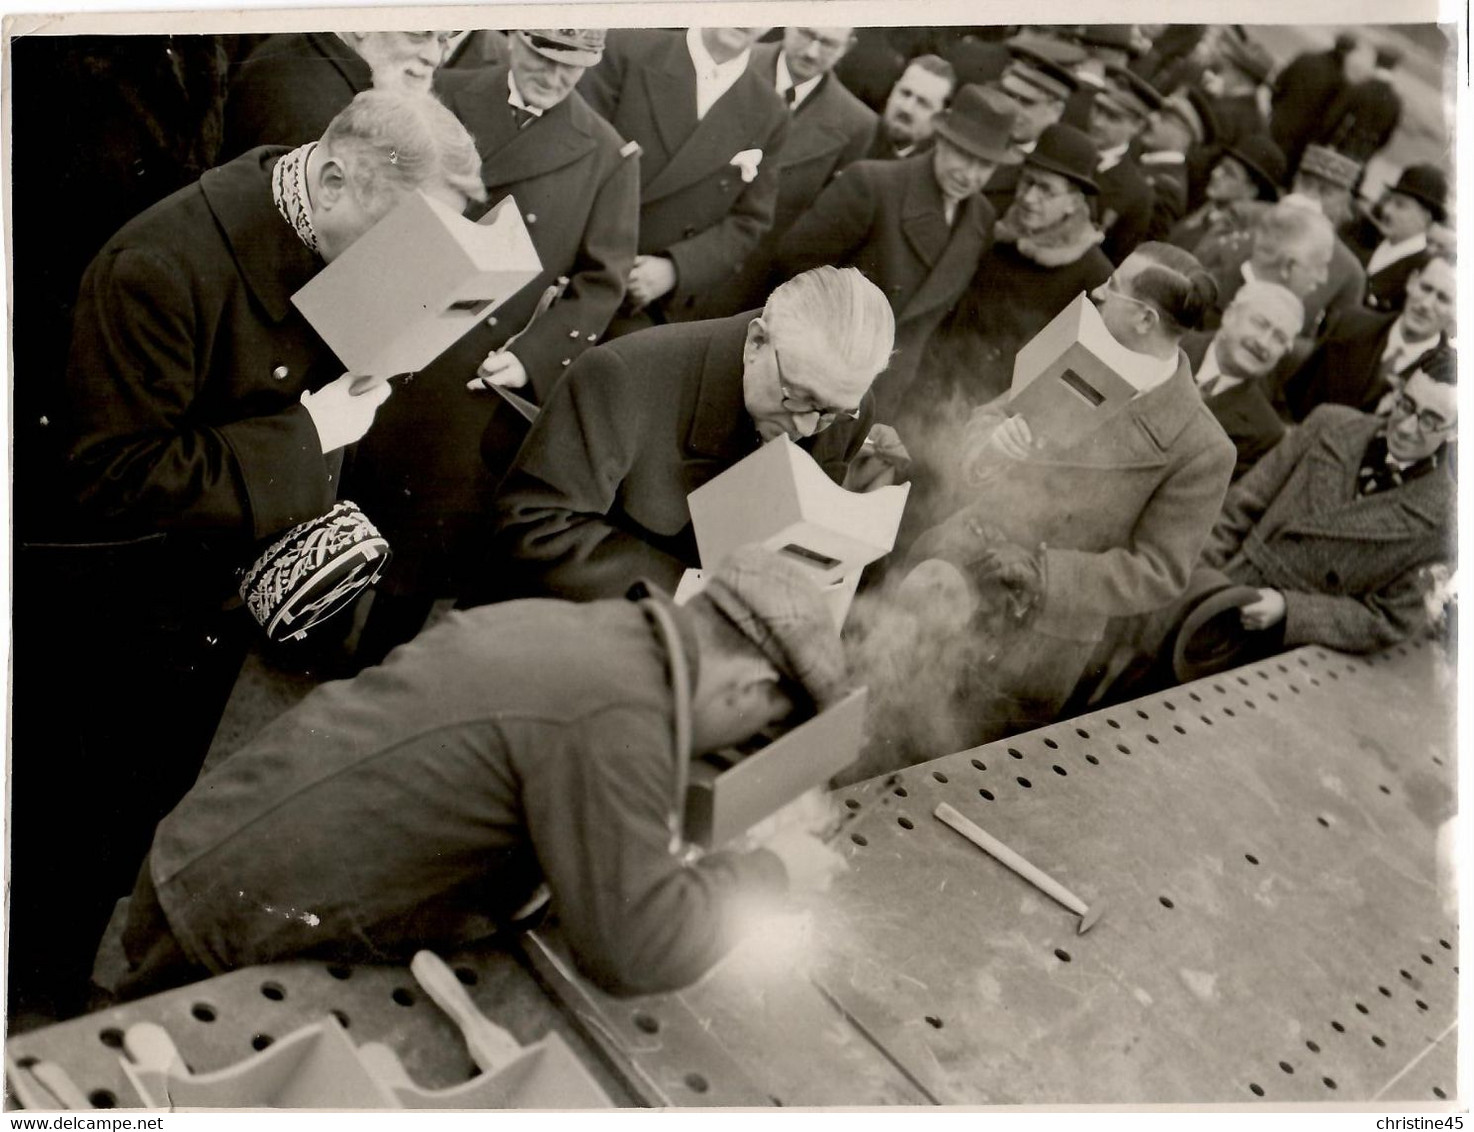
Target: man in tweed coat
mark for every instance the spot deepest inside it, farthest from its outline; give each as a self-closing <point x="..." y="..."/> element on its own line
<point x="1339" y="524"/>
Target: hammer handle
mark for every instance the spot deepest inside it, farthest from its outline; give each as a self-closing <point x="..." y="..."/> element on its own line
<point x="996" y="849"/>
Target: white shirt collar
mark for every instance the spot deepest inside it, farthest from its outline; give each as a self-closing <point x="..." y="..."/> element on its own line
<point x="713" y="79"/>
<point x="1406" y="350"/>
<point x="1026" y="147"/>
<point x="514" y="97"/>
<point x="1110" y="158"/>
<point x="1388" y="253"/>
<point x="1210" y="368"/>
<point x="801" y="90"/>
<point x="1164" y="157"/>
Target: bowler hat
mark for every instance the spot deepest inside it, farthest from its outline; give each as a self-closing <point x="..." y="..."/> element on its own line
<point x="1253" y="59"/>
<point x="979" y="122"/>
<point x="1427" y="185"/>
<point x="1328" y="165"/>
<point x="1065" y="150"/>
<point x="1265" y="162"/>
<point x="1212" y="637"/>
<point x="579" y="47"/>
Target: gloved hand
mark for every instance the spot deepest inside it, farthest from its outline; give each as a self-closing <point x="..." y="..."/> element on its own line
<point x="1265" y="613"/>
<point x="501" y="367"/>
<point x="881" y="461"/>
<point x="652" y="277"/>
<point x="341" y="415"/>
<point x="811" y="865"/>
<point x="988" y="442"/>
<point x="1019" y="570"/>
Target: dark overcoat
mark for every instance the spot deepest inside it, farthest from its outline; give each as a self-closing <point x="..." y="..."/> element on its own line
<point x="289" y="89"/>
<point x="1244" y="410"/>
<point x="828" y="131"/>
<point x="1387" y="289"/>
<point x="596" y="498"/>
<point x="420" y="471"/>
<point x="886" y="218"/>
<point x="1352" y="568"/>
<point x="1346" y="366"/>
<point x="695" y="207"/>
<point x="1125" y="207"/>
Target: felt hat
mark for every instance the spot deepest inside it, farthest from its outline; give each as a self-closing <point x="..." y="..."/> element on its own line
<point x="1427" y="185"/>
<point x="776" y="604"/>
<point x="1129" y="93"/>
<point x="1243" y="54"/>
<point x="1211" y="637"/>
<point x="978" y="122"/>
<point x="1328" y="165"/>
<point x="1265" y="162"/>
<point x="579" y="47"/>
<point x="1065" y="150"/>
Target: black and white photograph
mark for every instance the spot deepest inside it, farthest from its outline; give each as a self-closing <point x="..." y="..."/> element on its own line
<point x="892" y="566"/>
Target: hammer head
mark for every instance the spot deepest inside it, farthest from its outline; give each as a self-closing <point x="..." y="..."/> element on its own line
<point x="1092" y="914"/>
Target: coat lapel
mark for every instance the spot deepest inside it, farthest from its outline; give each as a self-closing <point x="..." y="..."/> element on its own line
<point x="670" y="88"/>
<point x="727" y="129"/>
<point x="721" y="431"/>
<point x="345" y="60"/>
<point x="923" y="223"/>
<point x="813" y="133"/>
<point x="967" y="239"/>
<point x="509" y="155"/>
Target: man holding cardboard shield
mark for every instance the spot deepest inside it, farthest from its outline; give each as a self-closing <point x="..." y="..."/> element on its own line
<point x="204" y="417"/>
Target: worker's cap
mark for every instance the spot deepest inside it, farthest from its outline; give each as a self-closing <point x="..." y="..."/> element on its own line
<point x="1328" y="165"/>
<point x="1243" y="54"/>
<point x="1032" y="72"/>
<point x="1191" y="106"/>
<point x="776" y="604"/>
<point x="578" y="47"/>
<point x="1117" y="36"/>
<point x="1128" y="93"/>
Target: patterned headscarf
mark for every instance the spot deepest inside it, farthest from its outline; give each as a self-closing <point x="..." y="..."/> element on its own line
<point x="289" y="191"/>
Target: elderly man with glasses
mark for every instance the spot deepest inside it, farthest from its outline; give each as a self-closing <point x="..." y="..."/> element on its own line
<point x="596" y="497"/>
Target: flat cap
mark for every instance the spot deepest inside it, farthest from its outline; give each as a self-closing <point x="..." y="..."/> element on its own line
<point x="776" y="604"/>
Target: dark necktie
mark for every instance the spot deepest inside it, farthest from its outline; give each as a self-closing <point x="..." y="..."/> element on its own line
<point x="790" y="96"/>
<point x="522" y="117"/>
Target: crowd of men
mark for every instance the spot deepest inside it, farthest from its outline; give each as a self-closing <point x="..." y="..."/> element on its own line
<point x="749" y="234"/>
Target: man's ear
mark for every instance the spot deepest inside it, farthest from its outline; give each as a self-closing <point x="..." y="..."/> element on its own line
<point x="332" y="184"/>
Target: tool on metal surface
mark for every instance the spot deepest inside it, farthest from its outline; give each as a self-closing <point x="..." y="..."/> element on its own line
<point x="1034" y="875"/>
<point x="850" y="818"/>
<point x="58" y="1082"/>
<point x="490" y="1046"/>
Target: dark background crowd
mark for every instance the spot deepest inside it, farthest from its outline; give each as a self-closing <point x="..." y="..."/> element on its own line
<point x="980" y="177"/>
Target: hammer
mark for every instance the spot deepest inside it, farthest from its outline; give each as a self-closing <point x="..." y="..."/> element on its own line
<point x="1035" y="876"/>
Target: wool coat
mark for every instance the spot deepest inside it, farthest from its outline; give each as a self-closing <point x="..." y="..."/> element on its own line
<point x="288" y="90"/>
<point x="1303" y="92"/>
<point x="422" y="472"/>
<point x="828" y="130"/>
<point x="1121" y="515"/>
<point x="596" y="498"/>
<point x="1125" y="207"/>
<point x="421" y="802"/>
<point x="1352" y="568"/>
<point x="1244" y="410"/>
<point x="1346" y="366"/>
<point x="696" y="209"/>
<point x="1387" y="289"/>
<point x="1363" y="119"/>
<point x="886" y="218"/>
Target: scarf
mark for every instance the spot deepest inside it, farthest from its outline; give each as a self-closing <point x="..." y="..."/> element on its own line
<point x="289" y="191"/>
<point x="1056" y="246"/>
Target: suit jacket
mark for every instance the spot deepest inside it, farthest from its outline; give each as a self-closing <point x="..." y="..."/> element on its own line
<point x="1125" y="207"/>
<point x="288" y="90"/>
<point x="1387" y="289"/>
<point x="829" y="130"/>
<point x="695" y="208"/>
<point x="1123" y="515"/>
<point x="420" y="471"/>
<point x="596" y="498"/>
<point x="187" y="366"/>
<point x="1345" y="366"/>
<point x="1244" y="410"/>
<point x="886" y="218"/>
<point x="1352" y="568"/>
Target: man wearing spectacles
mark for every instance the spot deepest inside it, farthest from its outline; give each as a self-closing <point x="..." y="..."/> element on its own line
<point x="292" y="85"/>
<point x="596" y="497"/>
<point x="1339" y="525"/>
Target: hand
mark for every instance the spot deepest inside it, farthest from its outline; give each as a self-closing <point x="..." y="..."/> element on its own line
<point x="811" y="865"/>
<point x="342" y="414"/>
<point x="1020" y="571"/>
<point x="1013" y="438"/>
<point x="651" y="277"/>
<point x="1265" y="613"/>
<point x="987" y="440"/>
<point x="881" y="461"/>
<point x="501" y="367"/>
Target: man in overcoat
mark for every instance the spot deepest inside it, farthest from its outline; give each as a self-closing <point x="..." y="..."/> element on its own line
<point x="709" y="129"/>
<point x="427" y="470"/>
<point x="829" y="129"/>
<point x="916" y="227"/>
<point x="1118" y="114"/>
<point x="204" y="417"/>
<point x="596" y="497"/>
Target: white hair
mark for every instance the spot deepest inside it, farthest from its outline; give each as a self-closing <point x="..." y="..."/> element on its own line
<point x="838" y="321"/>
<point x="394" y="139"/>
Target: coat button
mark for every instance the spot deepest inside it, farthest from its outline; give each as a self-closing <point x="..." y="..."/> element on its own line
<point x="567" y="361"/>
<point x="44" y="422"/>
<point x="281" y="373"/>
<point x="690" y="231"/>
<point x="532" y="218"/>
<point x="573" y="334"/>
<point x="491" y="321"/>
<point x="593" y="337"/>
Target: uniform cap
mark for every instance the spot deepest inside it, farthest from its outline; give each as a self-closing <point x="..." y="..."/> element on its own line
<point x="580" y="47"/>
